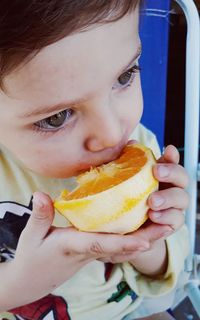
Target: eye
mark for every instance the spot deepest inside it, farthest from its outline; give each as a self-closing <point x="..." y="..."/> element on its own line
<point x="126" y="78"/>
<point x="56" y="121"/>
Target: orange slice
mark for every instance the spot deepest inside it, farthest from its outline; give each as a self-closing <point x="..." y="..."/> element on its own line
<point x="112" y="197"/>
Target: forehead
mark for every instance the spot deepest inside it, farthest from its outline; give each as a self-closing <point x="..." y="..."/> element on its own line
<point x="76" y="62"/>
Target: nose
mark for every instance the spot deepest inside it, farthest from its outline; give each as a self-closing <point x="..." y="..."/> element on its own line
<point x="104" y="130"/>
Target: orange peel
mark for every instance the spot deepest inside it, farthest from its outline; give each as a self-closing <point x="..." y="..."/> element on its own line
<point x="112" y="197"/>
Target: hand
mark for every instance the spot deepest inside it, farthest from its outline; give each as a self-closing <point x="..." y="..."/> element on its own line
<point x="169" y="203"/>
<point x="166" y="215"/>
<point x="47" y="256"/>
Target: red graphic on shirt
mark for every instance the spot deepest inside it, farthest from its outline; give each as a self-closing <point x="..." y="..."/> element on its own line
<point x="108" y="270"/>
<point x="49" y="307"/>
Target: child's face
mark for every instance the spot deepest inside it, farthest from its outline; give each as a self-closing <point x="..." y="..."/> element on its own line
<point x="76" y="103"/>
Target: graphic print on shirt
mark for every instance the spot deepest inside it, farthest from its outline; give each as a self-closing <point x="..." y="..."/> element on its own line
<point x="48" y="308"/>
<point x="123" y="290"/>
<point x="108" y="270"/>
<point x="13" y="219"/>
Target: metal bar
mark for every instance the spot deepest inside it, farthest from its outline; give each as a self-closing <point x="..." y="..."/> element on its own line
<point x="191" y="116"/>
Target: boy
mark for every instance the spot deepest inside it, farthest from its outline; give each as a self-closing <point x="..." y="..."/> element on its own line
<point x="71" y="99"/>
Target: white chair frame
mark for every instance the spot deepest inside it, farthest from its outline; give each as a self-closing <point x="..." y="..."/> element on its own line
<point x="191" y="143"/>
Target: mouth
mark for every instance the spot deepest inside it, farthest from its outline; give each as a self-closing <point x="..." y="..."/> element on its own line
<point x="104" y="157"/>
<point x="116" y="152"/>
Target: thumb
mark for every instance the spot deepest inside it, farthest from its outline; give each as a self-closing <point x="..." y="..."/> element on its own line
<point x="41" y="218"/>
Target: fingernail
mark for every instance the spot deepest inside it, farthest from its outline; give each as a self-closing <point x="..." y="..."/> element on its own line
<point x="163" y="171"/>
<point x="37" y="202"/>
<point x="157" y="201"/>
<point x="156" y="215"/>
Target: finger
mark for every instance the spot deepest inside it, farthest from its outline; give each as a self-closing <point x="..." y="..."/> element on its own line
<point x="153" y="232"/>
<point x="171" y="173"/>
<point x="173" y="217"/>
<point x="120" y="258"/>
<point x="41" y="218"/>
<point x="99" y="244"/>
<point x="170" y="155"/>
<point x="105" y="260"/>
<point x="132" y="141"/>
<point x="169" y="198"/>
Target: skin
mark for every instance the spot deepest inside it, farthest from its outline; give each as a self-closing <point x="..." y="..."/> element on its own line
<point x="73" y="69"/>
<point x="102" y="122"/>
<point x="159" y="316"/>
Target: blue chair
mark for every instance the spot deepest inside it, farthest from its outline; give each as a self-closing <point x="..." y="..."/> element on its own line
<point x="155" y="104"/>
<point x="154" y="30"/>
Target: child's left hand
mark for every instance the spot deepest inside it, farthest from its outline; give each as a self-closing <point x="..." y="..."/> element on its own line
<point x="167" y="206"/>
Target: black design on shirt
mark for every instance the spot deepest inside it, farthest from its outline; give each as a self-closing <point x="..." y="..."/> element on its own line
<point x="13" y="219"/>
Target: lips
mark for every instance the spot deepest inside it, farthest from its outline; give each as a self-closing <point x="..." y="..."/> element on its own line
<point x="97" y="162"/>
<point x="105" y="156"/>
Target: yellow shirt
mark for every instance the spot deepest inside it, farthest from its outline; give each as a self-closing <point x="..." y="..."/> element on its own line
<point x="98" y="291"/>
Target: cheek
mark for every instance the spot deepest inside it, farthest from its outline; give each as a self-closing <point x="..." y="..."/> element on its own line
<point x="137" y="103"/>
<point x="55" y="157"/>
<point x="54" y="162"/>
<point x="131" y="108"/>
<point x="52" y="159"/>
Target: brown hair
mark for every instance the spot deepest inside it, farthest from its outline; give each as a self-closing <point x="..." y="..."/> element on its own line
<point x="28" y="26"/>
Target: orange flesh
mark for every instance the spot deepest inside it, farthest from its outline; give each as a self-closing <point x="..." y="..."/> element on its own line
<point x="106" y="176"/>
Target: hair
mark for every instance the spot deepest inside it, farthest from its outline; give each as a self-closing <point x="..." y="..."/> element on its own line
<point x="28" y="26"/>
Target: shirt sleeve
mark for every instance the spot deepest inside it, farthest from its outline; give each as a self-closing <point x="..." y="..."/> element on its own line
<point x="177" y="248"/>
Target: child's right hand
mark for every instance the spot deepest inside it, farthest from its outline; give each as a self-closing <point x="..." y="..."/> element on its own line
<point x="47" y="256"/>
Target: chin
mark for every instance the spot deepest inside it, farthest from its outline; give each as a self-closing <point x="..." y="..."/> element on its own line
<point x="55" y="174"/>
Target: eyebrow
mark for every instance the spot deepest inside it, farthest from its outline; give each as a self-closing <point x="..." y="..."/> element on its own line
<point x="45" y="110"/>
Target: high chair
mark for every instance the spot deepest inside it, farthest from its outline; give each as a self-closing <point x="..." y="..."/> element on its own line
<point x="191" y="143"/>
<point x="191" y="136"/>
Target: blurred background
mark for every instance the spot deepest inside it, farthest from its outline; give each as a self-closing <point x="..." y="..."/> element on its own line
<point x="163" y="35"/>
